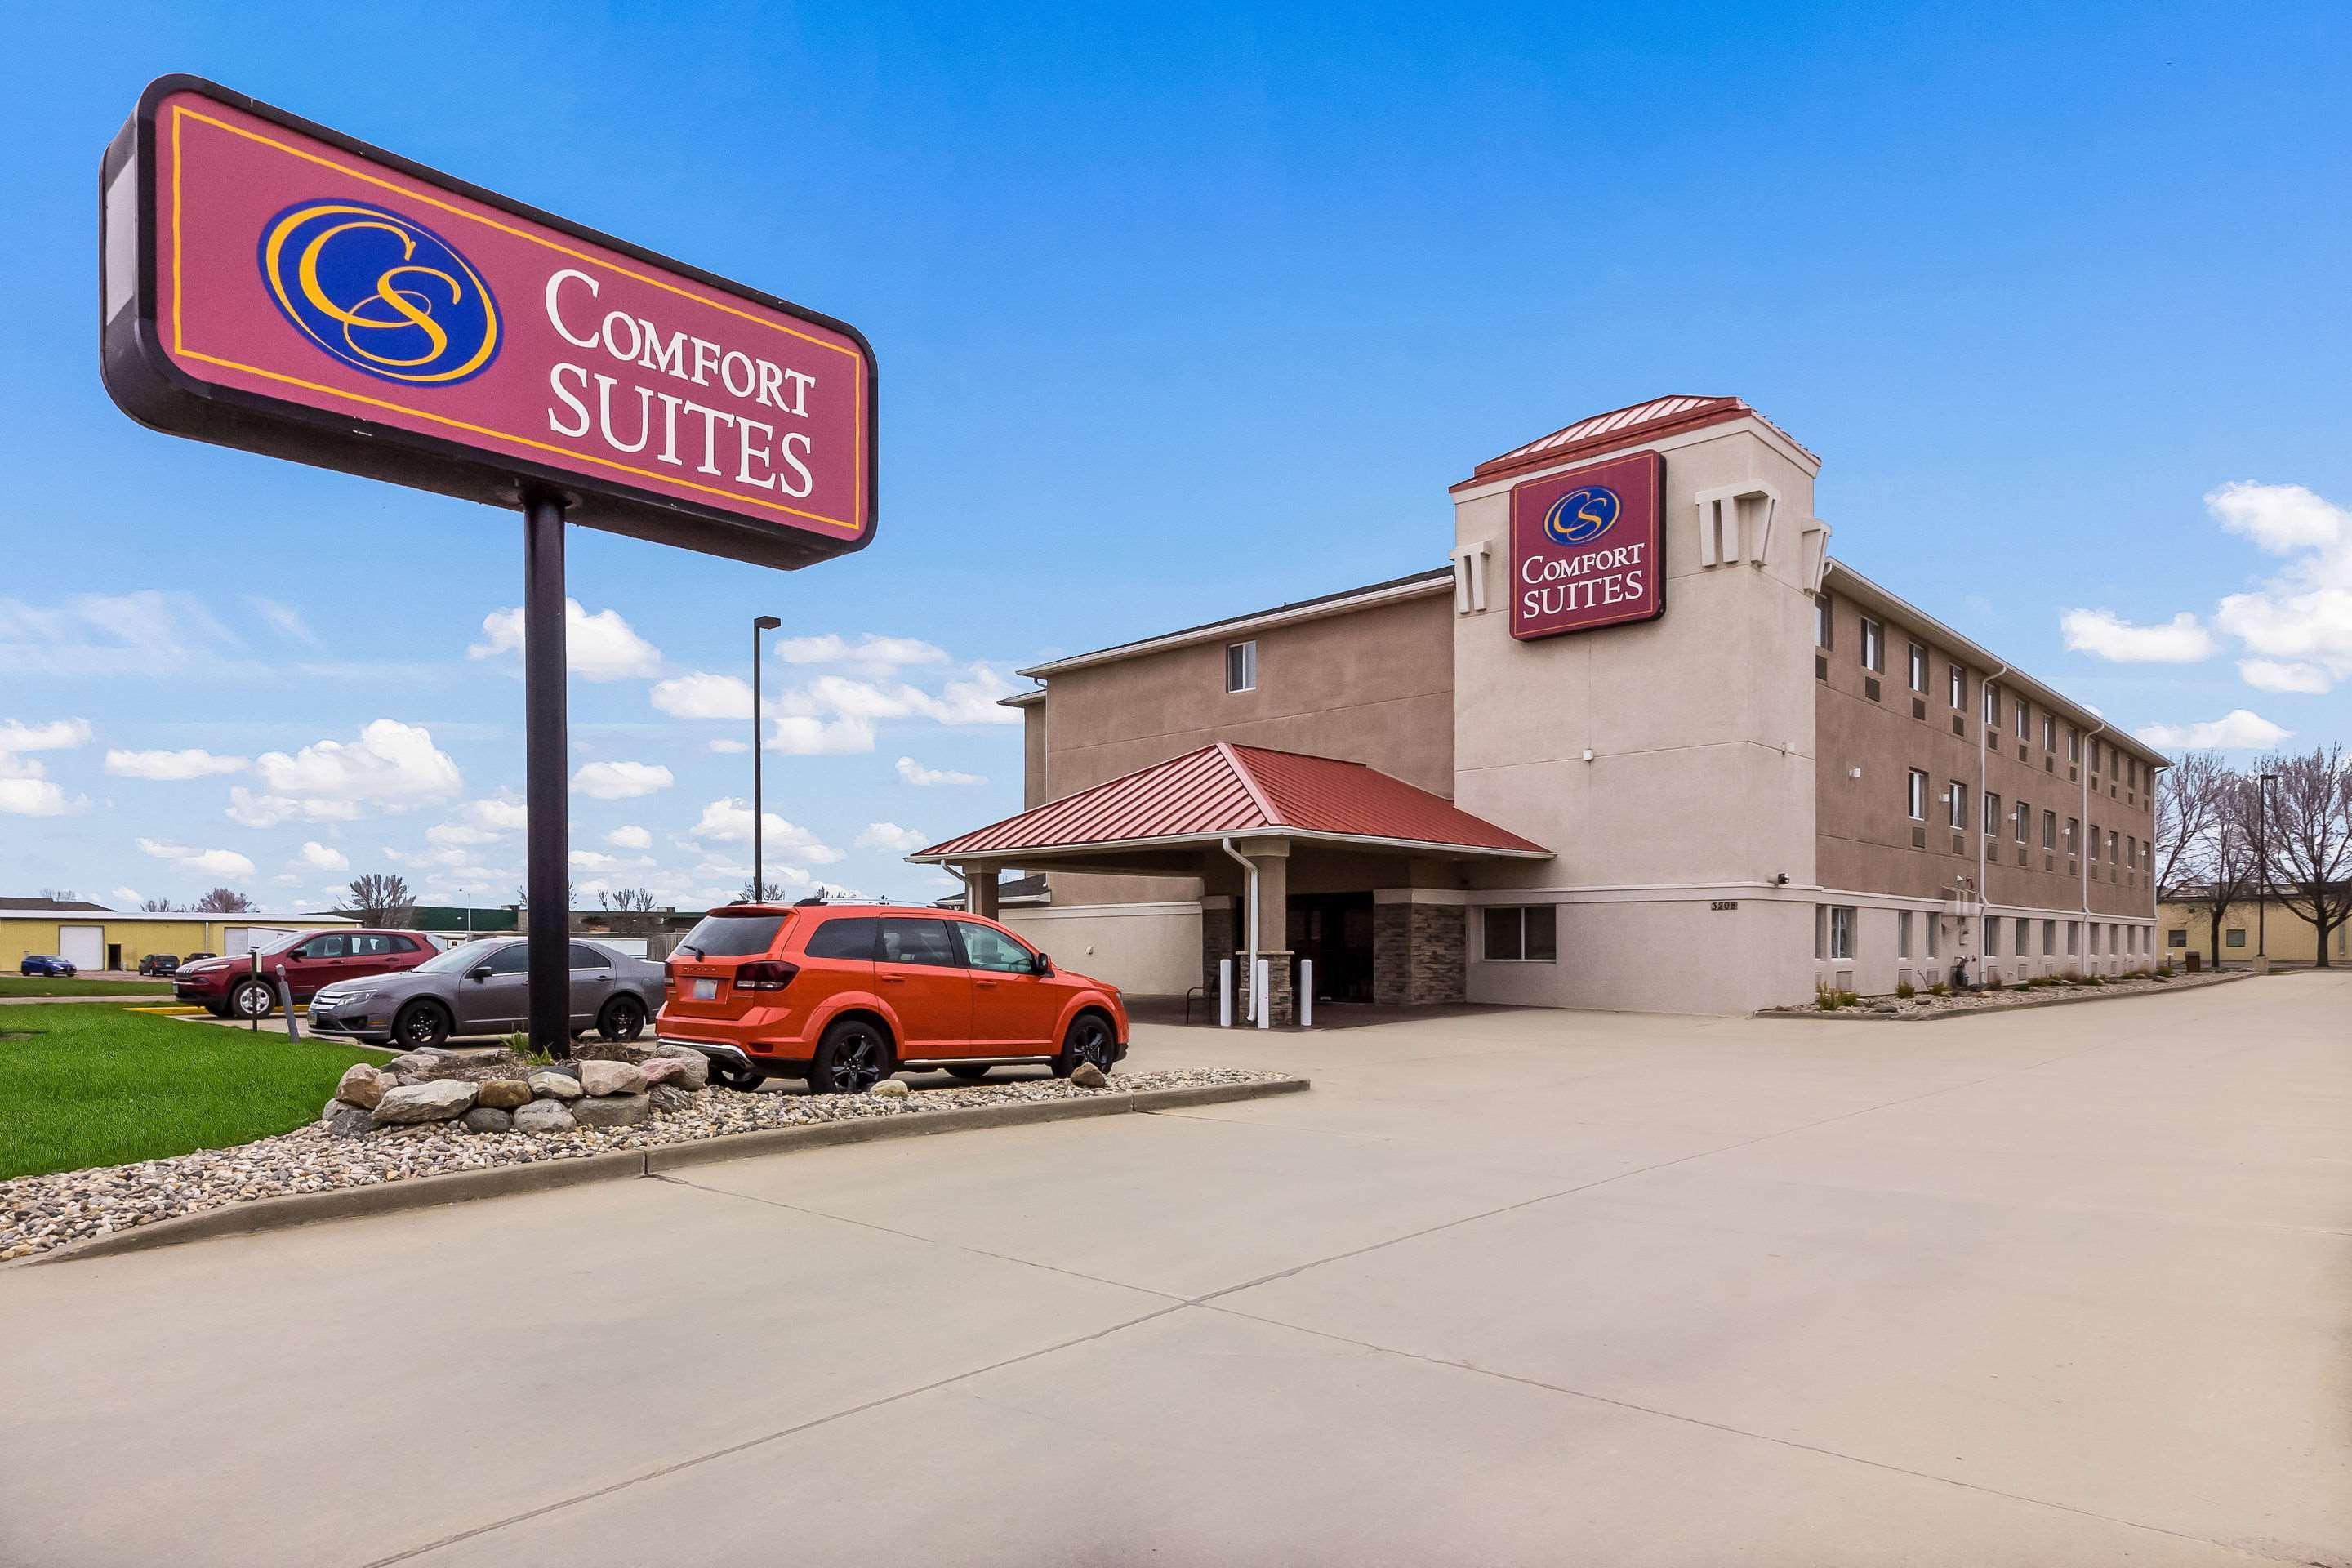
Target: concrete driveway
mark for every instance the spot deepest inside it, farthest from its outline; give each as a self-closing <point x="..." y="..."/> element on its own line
<point x="2069" y="1286"/>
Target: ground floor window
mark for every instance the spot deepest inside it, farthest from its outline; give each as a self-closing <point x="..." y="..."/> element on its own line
<point x="1992" y="935"/>
<point x="1902" y="930"/>
<point x="2176" y="938"/>
<point x="2074" y="938"/>
<point x="1833" y="930"/>
<point x="1527" y="934"/>
<point x="1935" y="933"/>
<point x="2233" y="939"/>
<point x="2049" y="938"/>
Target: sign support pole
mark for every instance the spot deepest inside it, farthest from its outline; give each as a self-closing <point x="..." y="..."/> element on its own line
<point x="547" y="884"/>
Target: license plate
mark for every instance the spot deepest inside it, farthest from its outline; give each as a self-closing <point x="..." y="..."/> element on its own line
<point x="705" y="991"/>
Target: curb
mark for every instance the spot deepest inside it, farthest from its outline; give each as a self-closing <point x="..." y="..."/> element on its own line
<point x="1865" y="1016"/>
<point x="290" y="1209"/>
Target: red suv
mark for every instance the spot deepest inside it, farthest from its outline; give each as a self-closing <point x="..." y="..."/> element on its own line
<point x="845" y="996"/>
<point x="307" y="961"/>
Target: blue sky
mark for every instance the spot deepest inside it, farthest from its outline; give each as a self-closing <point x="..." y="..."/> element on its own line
<point x="1180" y="314"/>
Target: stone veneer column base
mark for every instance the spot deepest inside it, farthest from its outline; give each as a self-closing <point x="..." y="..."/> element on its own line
<point x="1419" y="954"/>
<point x="1281" y="982"/>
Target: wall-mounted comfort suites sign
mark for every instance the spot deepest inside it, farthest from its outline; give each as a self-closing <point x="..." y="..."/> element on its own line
<point x="1587" y="548"/>
<point x="272" y="284"/>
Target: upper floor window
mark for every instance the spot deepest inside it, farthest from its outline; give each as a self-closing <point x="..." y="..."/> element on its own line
<point x="1992" y="814"/>
<point x="1822" y="620"/>
<point x="1241" y="667"/>
<point x="2024" y="823"/>
<point x="2050" y="830"/>
<point x="1874" y="646"/>
<point x="1958" y="678"/>
<point x="2024" y="719"/>
<point x="1956" y="806"/>
<point x="1919" y="669"/>
<point x="2074" y="744"/>
<point x="2049" y="731"/>
<point x="1918" y="795"/>
<point x="1991" y="706"/>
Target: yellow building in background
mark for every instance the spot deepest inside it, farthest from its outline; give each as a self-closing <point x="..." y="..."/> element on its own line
<point x="95" y="938"/>
<point x="2247" y="929"/>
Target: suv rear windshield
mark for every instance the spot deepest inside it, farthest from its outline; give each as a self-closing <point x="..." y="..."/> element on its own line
<point x="732" y="936"/>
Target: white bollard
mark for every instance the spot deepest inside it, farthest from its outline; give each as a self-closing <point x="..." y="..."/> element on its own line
<point x="1305" y="1001"/>
<point x="1258" y="984"/>
<point x="1225" y="994"/>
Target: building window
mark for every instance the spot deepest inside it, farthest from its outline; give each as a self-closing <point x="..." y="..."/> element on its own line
<point x="2049" y="938"/>
<point x="2075" y="937"/>
<point x="1992" y="814"/>
<point x="1823" y="620"/>
<point x="2049" y="731"/>
<point x="1527" y="934"/>
<point x="1874" y="646"/>
<point x="1934" y="927"/>
<point x="2111" y="846"/>
<point x="2050" y="830"/>
<point x="2024" y="719"/>
<point x="1918" y="795"/>
<point x="2234" y="938"/>
<point x="2074" y="744"/>
<point x="2094" y="844"/>
<point x="1241" y="667"/>
<point x="1960" y="688"/>
<point x="2177" y="938"/>
<point x="1903" y="933"/>
<point x="2024" y="823"/>
<point x="2073" y="836"/>
<point x="1957" y="807"/>
<point x="1992" y="936"/>
<point x="1842" y="930"/>
<point x="1991" y="706"/>
<point x="1919" y="669"/>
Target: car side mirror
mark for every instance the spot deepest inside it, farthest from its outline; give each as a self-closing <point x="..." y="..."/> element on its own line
<point x="479" y="972"/>
<point x="1042" y="966"/>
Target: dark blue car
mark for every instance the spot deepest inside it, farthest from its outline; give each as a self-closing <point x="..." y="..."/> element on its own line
<point x="44" y="964"/>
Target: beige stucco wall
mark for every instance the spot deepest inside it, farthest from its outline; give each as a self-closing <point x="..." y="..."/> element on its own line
<point x="1144" y="948"/>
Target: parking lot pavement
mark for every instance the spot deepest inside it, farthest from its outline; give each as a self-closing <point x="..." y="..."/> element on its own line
<point x="2050" y="1286"/>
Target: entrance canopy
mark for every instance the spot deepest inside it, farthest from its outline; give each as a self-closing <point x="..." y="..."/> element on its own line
<point x="1242" y="793"/>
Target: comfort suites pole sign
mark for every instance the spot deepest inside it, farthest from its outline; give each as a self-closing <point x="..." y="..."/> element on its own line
<point x="1587" y="548"/>
<point x="268" y="283"/>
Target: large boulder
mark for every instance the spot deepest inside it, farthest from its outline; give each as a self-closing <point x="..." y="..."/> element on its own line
<point x="1085" y="1075"/>
<point x="661" y="1070"/>
<point x="505" y="1093"/>
<point x="681" y="1053"/>
<point x="486" y="1119"/>
<point x="361" y="1085"/>
<point x="548" y="1084"/>
<point x="889" y="1089"/>
<point x="544" y="1116"/>
<point x="415" y="1064"/>
<point x="611" y="1110"/>
<point x="603" y="1077"/>
<point x="435" y="1101"/>
<point x="693" y="1068"/>
<point x="344" y="1120"/>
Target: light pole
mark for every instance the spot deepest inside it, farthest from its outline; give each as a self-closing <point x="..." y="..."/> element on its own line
<point x="2263" y="863"/>
<point x="759" y="865"/>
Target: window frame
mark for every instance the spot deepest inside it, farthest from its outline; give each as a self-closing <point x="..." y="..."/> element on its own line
<point x="1918" y="669"/>
<point x="1486" y="932"/>
<point x="1247" y="649"/>
<point x="1958" y="813"/>
<point x="1918" y="794"/>
<point x="1843" y="919"/>
<point x="1957" y="688"/>
<point x="1873" y="651"/>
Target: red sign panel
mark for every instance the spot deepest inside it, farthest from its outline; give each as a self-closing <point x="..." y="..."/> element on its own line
<point x="271" y="284"/>
<point x="1587" y="548"/>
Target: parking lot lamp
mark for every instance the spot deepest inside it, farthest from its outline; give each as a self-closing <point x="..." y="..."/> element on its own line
<point x="759" y="868"/>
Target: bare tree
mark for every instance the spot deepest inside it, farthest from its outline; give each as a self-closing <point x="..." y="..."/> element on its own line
<point x="755" y="893"/>
<point x="223" y="901"/>
<point x="570" y="897"/>
<point x="61" y="895"/>
<point x="2216" y="869"/>
<point x="633" y="910"/>
<point x="379" y="899"/>
<point x="159" y="907"/>
<point x="2308" y="836"/>
<point x="2188" y="797"/>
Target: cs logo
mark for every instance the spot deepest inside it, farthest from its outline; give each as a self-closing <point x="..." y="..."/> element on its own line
<point x="379" y="292"/>
<point x="1581" y="516"/>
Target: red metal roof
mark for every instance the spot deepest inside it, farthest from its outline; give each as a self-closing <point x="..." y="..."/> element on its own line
<point x="1622" y="427"/>
<point x="1243" y="791"/>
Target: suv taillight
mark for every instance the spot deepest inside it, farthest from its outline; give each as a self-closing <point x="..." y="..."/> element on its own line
<point x="767" y="974"/>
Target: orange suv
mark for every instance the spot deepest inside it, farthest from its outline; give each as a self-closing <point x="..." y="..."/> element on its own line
<point x="844" y="995"/>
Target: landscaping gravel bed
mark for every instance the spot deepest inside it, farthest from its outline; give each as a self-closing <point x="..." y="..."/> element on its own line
<point x="38" y="1213"/>
<point x="1924" y="1005"/>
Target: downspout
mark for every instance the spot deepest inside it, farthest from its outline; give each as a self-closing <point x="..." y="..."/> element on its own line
<point x="1984" y="888"/>
<point x="2082" y="860"/>
<point x="1249" y="866"/>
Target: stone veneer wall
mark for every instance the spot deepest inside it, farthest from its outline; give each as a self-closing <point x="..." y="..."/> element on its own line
<point x="1419" y="953"/>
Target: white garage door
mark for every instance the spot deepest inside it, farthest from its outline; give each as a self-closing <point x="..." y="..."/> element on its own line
<point x="84" y="947"/>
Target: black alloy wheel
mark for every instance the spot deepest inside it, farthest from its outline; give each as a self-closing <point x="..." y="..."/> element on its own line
<point x="743" y="1081"/>
<point x="421" y="1026"/>
<point x="1089" y="1041"/>
<point x="852" y="1058"/>
<point x="623" y="1018"/>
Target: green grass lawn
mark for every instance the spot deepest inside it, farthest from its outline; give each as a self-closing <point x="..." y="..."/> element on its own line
<point x="102" y="1086"/>
<point x="74" y="985"/>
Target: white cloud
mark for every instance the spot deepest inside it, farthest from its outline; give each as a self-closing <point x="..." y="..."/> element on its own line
<point x="629" y="837"/>
<point x="619" y="781"/>
<point x="870" y="651"/>
<point x="798" y="735"/>
<point x="597" y="860"/>
<point x="25" y="787"/>
<point x="2236" y="730"/>
<point x="727" y="748"/>
<point x="392" y="767"/>
<point x="484" y="821"/>
<point x="2302" y="616"/>
<point x="914" y="772"/>
<point x="728" y="821"/>
<point x="192" y="764"/>
<point x="130" y="896"/>
<point x="211" y="862"/>
<point x="283" y="618"/>
<point x="58" y="735"/>
<point x="704" y="696"/>
<point x="2104" y="634"/>
<point x="93" y="634"/>
<point x="317" y="856"/>
<point x="2272" y="675"/>
<point x="602" y="646"/>
<point x="890" y="836"/>
<point x="37" y="797"/>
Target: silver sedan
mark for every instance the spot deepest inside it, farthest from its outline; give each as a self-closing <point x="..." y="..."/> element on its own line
<point x="483" y="988"/>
